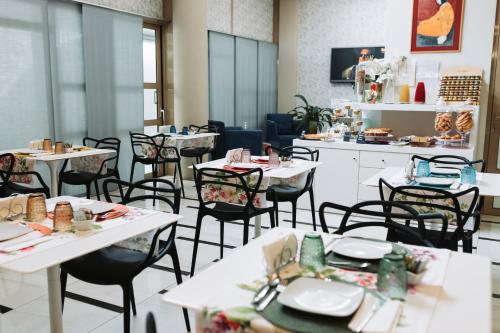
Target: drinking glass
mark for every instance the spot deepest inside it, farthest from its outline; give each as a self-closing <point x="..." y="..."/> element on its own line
<point x="423" y="169"/>
<point x="185" y="130"/>
<point x="274" y="160"/>
<point x="392" y="279"/>
<point x="173" y="129"/>
<point x="246" y="156"/>
<point x="312" y="252"/>
<point x="468" y="175"/>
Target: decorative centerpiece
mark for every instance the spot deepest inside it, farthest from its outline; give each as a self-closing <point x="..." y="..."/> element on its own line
<point x="315" y="118"/>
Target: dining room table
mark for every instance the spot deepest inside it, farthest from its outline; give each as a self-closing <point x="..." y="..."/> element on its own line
<point x="53" y="160"/>
<point x="455" y="298"/>
<point x="54" y="249"/>
<point x="281" y="174"/>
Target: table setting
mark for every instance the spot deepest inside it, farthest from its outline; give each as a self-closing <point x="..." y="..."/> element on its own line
<point x="318" y="283"/>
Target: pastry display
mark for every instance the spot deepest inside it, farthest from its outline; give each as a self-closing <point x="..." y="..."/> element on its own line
<point x="465" y="121"/>
<point x="378" y="131"/>
<point x="315" y="136"/>
<point x="421" y="141"/>
<point x="460" y="84"/>
<point x="443" y="122"/>
<point x="448" y="137"/>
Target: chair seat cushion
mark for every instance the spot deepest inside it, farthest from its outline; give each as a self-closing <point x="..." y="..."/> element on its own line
<point x="283" y="192"/>
<point x="110" y="265"/>
<point x="194" y="151"/>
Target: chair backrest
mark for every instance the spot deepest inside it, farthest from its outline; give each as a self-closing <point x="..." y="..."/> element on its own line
<point x="219" y="149"/>
<point x="213" y="185"/>
<point x="451" y="161"/>
<point x="384" y="217"/>
<point x="458" y="207"/>
<point x="106" y="143"/>
<point x="299" y="152"/>
<point x="154" y="189"/>
<point x="150" y="323"/>
<point x="7" y="162"/>
<point x="155" y="147"/>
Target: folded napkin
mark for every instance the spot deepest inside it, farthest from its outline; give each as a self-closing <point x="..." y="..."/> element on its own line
<point x="234" y="155"/>
<point x="22" y="242"/>
<point x="13" y="205"/>
<point x="372" y="319"/>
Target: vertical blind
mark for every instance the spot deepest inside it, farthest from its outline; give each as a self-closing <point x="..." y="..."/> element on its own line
<point x="242" y="80"/>
<point x="68" y="72"/>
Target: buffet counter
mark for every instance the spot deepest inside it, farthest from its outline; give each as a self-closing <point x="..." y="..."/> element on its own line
<point x="346" y="165"/>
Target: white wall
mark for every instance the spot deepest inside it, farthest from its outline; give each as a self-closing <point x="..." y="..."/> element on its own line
<point x="147" y="8"/>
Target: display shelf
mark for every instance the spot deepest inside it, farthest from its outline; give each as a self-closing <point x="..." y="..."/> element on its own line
<point x="401" y="107"/>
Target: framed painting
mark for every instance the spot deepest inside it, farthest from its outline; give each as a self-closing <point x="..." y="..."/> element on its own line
<point x="437" y="25"/>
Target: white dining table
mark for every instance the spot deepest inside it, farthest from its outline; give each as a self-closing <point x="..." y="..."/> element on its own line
<point x="463" y="305"/>
<point x="298" y="167"/>
<point x="54" y="160"/>
<point x="54" y="252"/>
<point x="487" y="183"/>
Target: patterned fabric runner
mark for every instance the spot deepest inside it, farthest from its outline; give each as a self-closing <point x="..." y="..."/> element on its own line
<point x="149" y="150"/>
<point x="22" y="164"/>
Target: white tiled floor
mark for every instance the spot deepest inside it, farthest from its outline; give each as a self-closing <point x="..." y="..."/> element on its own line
<point x="26" y="295"/>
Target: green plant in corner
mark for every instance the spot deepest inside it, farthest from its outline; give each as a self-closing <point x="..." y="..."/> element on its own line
<point x="313" y="117"/>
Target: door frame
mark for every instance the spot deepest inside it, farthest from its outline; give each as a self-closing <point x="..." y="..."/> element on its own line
<point x="492" y="129"/>
<point x="160" y="120"/>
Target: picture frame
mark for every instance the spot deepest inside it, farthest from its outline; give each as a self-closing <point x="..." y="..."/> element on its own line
<point x="437" y="25"/>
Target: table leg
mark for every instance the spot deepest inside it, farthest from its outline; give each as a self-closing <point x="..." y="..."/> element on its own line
<point x="55" y="305"/>
<point x="257" y="223"/>
<point x="53" y="166"/>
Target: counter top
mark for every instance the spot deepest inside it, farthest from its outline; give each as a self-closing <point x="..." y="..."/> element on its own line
<point x="435" y="150"/>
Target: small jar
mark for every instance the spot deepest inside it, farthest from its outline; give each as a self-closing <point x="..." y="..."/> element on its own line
<point x="443" y="123"/>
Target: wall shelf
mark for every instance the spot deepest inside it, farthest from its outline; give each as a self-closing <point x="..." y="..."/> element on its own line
<point x="401" y="107"/>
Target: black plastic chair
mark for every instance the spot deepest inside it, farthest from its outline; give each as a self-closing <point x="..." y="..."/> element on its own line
<point x="74" y="177"/>
<point x="211" y="178"/>
<point x="382" y="211"/>
<point x="9" y="187"/>
<point x="198" y="152"/>
<point x="156" y="145"/>
<point x="458" y="162"/>
<point x="284" y="193"/>
<point x="116" y="265"/>
<point x="436" y="200"/>
<point x="150" y="323"/>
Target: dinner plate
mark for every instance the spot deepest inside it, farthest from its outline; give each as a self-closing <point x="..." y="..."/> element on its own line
<point x="445" y="171"/>
<point x="435" y="181"/>
<point x="361" y="248"/>
<point x="97" y="207"/>
<point x="317" y="296"/>
<point x="399" y="143"/>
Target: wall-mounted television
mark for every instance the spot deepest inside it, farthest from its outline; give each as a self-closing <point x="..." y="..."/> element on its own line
<point x="344" y="60"/>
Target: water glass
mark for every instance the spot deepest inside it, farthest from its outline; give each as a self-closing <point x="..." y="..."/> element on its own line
<point x="392" y="280"/>
<point x="423" y="169"/>
<point x="312" y="252"/>
<point x="246" y="156"/>
<point x="185" y="130"/>
<point x="173" y="129"/>
<point x="468" y="175"/>
<point x="274" y="160"/>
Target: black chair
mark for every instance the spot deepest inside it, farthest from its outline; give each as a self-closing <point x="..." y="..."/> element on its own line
<point x="436" y="200"/>
<point x="285" y="193"/>
<point x="245" y="184"/>
<point x="457" y="162"/>
<point x="199" y="152"/>
<point x="79" y="177"/>
<point x="384" y="217"/>
<point x="8" y="186"/>
<point x="116" y="265"/>
<point x="158" y="154"/>
<point x="150" y="323"/>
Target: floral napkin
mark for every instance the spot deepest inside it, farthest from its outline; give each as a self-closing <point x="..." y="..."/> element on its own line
<point x="234" y="155"/>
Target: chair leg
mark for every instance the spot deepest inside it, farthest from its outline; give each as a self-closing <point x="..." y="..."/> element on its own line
<point x="97" y="190"/>
<point x="180" y="177"/>
<point x="178" y="277"/>
<point x="175" y="173"/>
<point x="87" y="186"/>
<point x="119" y="186"/>
<point x="467" y="245"/>
<point x="271" y="217"/>
<point x="59" y="186"/>
<point x="126" y="308"/>
<point x="246" y="225"/>
<point x="275" y="205"/>
<point x="221" y="239"/>
<point x="132" y="171"/>
<point x="132" y="298"/>
<point x="196" y="241"/>
<point x="313" y="210"/>
<point x="155" y="175"/>
<point x="294" y="214"/>
<point x="64" y="280"/>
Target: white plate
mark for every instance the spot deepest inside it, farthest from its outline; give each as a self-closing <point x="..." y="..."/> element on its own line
<point x="445" y="171"/>
<point x="361" y="248"/>
<point x="435" y="181"/>
<point x="327" y="298"/>
<point x="399" y="143"/>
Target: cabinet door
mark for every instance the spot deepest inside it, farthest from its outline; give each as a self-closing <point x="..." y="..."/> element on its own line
<point x="336" y="180"/>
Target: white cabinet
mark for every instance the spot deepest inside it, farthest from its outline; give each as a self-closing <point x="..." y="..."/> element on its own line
<point x="337" y="179"/>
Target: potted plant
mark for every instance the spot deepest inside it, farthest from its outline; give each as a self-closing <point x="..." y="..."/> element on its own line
<point x="313" y="117"/>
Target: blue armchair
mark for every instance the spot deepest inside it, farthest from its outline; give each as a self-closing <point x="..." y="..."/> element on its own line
<point x="232" y="137"/>
<point x="282" y="129"/>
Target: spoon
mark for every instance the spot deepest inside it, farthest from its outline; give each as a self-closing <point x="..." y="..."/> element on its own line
<point x="349" y="264"/>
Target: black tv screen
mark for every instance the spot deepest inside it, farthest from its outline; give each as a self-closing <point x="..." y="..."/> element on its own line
<point x="344" y="61"/>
